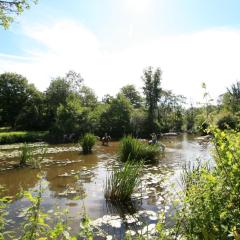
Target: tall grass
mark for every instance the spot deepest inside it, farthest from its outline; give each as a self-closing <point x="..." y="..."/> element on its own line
<point x="27" y="157"/>
<point x="122" y="182"/>
<point x="87" y="142"/>
<point x="133" y="150"/>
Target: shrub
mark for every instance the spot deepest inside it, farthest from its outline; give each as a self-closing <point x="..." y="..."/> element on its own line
<point x="133" y="150"/>
<point x="211" y="203"/>
<point x="87" y="142"/>
<point x="227" y="121"/>
<point x="122" y="182"/>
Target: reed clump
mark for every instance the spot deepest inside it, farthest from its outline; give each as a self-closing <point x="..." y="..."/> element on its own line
<point x="87" y="142"/>
<point x="133" y="150"/>
<point x="27" y="157"/>
<point x="122" y="181"/>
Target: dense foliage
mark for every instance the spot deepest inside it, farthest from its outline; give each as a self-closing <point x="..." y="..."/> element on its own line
<point x="122" y="182"/>
<point x="132" y="149"/>
<point x="87" y="142"/>
<point x="68" y="108"/>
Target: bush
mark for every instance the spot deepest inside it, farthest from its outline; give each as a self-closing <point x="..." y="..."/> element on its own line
<point x="227" y="121"/>
<point x="211" y="203"/>
<point x="18" y="137"/>
<point x="133" y="150"/>
<point x="87" y="142"/>
<point x="122" y="182"/>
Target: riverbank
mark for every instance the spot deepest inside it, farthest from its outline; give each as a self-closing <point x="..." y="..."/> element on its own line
<point x="22" y="136"/>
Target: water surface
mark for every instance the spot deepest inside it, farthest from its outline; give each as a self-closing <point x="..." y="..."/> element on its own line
<point x="77" y="181"/>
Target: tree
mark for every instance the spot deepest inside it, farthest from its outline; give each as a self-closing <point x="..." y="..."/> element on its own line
<point x="138" y="122"/>
<point x="9" y="9"/>
<point x="152" y="91"/>
<point x="33" y="114"/>
<point x="56" y="95"/>
<point x="15" y="94"/>
<point x="107" y="98"/>
<point x="232" y="97"/>
<point x="87" y="96"/>
<point x="130" y="92"/>
<point x="74" y="80"/>
<point x="116" y="119"/>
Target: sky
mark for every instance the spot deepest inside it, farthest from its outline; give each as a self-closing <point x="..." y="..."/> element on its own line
<point x="111" y="42"/>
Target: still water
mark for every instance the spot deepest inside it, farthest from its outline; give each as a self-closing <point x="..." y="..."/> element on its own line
<point x="76" y="182"/>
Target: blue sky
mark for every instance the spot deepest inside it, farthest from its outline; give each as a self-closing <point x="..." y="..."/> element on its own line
<point x="110" y="42"/>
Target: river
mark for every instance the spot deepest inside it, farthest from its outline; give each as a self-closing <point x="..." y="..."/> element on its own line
<point x="76" y="182"/>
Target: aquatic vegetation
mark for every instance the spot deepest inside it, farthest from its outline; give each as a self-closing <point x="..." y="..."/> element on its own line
<point x="211" y="205"/>
<point x="87" y="142"/>
<point x="27" y="157"/>
<point x="133" y="150"/>
<point x="122" y="181"/>
<point x="3" y="213"/>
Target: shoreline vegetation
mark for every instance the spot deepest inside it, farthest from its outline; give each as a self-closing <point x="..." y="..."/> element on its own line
<point x="23" y="136"/>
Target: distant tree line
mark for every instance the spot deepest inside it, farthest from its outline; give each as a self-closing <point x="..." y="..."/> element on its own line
<point x="68" y="106"/>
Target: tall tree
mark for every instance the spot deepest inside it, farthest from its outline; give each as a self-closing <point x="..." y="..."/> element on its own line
<point x="152" y="91"/>
<point x="87" y="96"/>
<point x="9" y="9"/>
<point x="15" y="95"/>
<point x="116" y="119"/>
<point x="59" y="90"/>
<point x="130" y="92"/>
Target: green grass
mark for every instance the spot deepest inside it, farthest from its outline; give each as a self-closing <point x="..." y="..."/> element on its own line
<point x="26" y="155"/>
<point x="133" y="150"/>
<point x="22" y="136"/>
<point x="87" y="142"/>
<point x="122" y="182"/>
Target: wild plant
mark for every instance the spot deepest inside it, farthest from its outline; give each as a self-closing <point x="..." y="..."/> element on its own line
<point x="133" y="150"/>
<point x="4" y="201"/>
<point x="27" y="157"/>
<point x="211" y="203"/>
<point x="122" y="182"/>
<point x="87" y="142"/>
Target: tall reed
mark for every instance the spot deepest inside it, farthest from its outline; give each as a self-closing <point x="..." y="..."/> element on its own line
<point x="122" y="182"/>
<point x="133" y="150"/>
<point x="26" y="155"/>
<point x="87" y="142"/>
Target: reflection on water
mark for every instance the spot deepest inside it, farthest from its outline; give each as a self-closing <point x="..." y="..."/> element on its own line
<point x="75" y="180"/>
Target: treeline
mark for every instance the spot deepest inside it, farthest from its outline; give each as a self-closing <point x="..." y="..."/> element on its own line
<point x="224" y="115"/>
<point x="69" y="107"/>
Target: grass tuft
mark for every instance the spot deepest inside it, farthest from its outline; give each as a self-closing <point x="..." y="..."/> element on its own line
<point x="122" y="182"/>
<point x="133" y="150"/>
<point x="87" y="142"/>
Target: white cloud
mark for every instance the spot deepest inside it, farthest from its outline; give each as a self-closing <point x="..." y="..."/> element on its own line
<point x="186" y="60"/>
